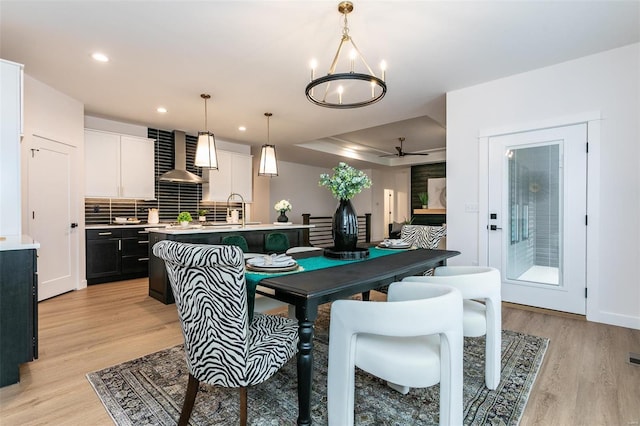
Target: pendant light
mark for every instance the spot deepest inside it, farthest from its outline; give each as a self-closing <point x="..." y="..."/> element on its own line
<point x="206" y="156"/>
<point x="268" y="161"/>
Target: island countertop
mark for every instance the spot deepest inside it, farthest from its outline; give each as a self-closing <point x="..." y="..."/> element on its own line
<point x="255" y="235"/>
<point x="228" y="227"/>
<point x="21" y="242"/>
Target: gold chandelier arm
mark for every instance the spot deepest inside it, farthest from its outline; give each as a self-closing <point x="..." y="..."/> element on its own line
<point x="364" y="61"/>
<point x="332" y="68"/>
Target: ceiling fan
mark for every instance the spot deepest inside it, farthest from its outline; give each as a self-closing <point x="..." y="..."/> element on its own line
<point x="401" y="152"/>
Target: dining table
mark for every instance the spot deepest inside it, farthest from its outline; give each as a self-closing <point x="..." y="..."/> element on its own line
<point x="329" y="280"/>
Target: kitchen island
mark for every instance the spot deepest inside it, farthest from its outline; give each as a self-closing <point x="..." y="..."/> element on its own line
<point x="159" y="287"/>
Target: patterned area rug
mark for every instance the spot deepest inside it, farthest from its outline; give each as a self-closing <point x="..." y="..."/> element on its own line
<point x="150" y="390"/>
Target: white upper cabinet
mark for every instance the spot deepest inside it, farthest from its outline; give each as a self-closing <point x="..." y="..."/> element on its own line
<point x="118" y="166"/>
<point x="234" y="174"/>
<point x="137" y="177"/>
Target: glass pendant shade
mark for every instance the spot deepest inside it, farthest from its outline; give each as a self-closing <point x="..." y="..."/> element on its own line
<point x="206" y="156"/>
<point x="268" y="162"/>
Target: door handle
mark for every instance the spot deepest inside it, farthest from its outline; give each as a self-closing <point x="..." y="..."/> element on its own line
<point x="74" y="225"/>
<point x="494" y="228"/>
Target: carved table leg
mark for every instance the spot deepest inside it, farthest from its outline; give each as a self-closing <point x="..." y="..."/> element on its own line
<point x="305" y="366"/>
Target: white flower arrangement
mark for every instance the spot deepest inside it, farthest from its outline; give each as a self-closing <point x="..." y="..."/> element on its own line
<point x="283" y="206"/>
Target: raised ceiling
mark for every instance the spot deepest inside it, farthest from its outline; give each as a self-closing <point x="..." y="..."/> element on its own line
<point x="253" y="56"/>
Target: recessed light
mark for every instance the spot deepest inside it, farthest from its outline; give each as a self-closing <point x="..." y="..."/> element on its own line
<point x="242" y="128"/>
<point x="161" y="110"/>
<point x="100" y="57"/>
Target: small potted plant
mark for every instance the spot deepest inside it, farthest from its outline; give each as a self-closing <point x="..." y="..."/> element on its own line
<point x="202" y="215"/>
<point x="184" y="218"/>
<point x="424" y="199"/>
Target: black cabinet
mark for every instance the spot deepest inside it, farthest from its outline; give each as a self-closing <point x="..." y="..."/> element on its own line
<point x="18" y="312"/>
<point x="103" y="255"/>
<point x="115" y="254"/>
<point x="135" y="251"/>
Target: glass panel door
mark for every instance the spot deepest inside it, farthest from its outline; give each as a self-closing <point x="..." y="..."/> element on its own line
<point x="537" y="207"/>
<point x="535" y="200"/>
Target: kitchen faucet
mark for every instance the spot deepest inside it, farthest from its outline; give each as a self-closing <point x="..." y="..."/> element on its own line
<point x="243" y="209"/>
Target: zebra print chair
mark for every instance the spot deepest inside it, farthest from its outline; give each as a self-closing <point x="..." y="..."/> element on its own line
<point x="423" y="236"/>
<point x="222" y="347"/>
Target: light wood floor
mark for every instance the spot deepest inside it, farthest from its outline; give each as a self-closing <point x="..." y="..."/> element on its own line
<point x="585" y="379"/>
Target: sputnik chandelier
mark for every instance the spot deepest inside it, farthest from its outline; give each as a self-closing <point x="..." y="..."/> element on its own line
<point x="346" y="89"/>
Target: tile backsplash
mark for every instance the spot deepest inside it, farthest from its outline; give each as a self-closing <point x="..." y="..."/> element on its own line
<point x="103" y="210"/>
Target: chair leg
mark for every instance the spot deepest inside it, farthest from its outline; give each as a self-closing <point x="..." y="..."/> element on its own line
<point x="189" y="400"/>
<point x="243" y="406"/>
<point x="399" y="388"/>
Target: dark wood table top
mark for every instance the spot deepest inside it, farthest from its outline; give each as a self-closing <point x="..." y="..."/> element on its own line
<point x="325" y="285"/>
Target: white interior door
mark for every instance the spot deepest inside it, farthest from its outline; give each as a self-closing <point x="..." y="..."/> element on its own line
<point x="388" y="210"/>
<point x="51" y="221"/>
<point x="537" y="216"/>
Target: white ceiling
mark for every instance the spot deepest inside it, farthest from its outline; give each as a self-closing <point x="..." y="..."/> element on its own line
<point x="253" y="57"/>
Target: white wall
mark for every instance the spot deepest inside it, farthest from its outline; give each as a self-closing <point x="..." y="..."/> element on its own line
<point x="298" y="183"/>
<point x="608" y="83"/>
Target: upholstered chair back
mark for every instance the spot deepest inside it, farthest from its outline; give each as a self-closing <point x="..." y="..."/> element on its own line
<point x="276" y="242"/>
<point x="423" y="236"/>
<point x="236" y="240"/>
<point x="209" y="288"/>
<point x="222" y="347"/>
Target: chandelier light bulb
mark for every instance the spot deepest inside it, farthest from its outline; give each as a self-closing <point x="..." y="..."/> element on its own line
<point x="352" y="57"/>
<point x="313" y="64"/>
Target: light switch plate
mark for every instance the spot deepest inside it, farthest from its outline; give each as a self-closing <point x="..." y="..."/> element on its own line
<point x="471" y="207"/>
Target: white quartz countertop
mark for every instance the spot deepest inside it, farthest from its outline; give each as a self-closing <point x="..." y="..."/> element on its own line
<point x="198" y="229"/>
<point x="137" y="225"/>
<point x="22" y="242"/>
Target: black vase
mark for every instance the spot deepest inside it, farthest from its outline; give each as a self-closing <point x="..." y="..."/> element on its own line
<point x="345" y="227"/>
<point x="283" y="217"/>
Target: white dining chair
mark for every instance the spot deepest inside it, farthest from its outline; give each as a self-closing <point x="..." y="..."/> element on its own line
<point x="480" y="288"/>
<point x="415" y="338"/>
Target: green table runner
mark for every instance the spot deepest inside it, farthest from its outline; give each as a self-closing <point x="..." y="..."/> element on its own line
<point x="306" y="264"/>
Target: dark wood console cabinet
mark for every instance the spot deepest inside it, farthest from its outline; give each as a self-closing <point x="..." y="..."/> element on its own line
<point x="18" y="312"/>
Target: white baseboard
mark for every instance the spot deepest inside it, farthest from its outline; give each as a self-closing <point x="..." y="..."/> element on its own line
<point x="619" y="320"/>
